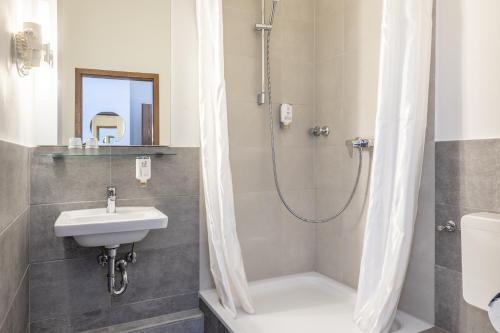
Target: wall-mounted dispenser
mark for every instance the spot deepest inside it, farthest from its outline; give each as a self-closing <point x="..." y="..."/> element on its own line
<point x="286" y="115"/>
<point x="143" y="169"/>
<point x="29" y="49"/>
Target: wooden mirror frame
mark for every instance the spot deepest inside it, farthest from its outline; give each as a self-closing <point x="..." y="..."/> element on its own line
<point x="80" y="73"/>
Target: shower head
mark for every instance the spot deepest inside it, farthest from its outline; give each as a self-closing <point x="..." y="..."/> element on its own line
<point x="273" y="11"/>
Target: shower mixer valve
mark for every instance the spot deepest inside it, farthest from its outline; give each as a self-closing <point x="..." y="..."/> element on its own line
<point x="362" y="143"/>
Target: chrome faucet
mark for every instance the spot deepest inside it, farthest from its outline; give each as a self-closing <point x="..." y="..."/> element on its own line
<point x="111" y="208"/>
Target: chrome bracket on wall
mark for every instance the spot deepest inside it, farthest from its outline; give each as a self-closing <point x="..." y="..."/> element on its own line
<point x="318" y="131"/>
<point x="263" y="27"/>
<point x="450" y="226"/>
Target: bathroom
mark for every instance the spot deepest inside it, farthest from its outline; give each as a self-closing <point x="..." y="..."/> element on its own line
<point x="249" y="166"/>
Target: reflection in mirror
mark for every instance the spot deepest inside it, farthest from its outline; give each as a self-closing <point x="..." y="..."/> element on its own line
<point x="107" y="127"/>
<point x="117" y="108"/>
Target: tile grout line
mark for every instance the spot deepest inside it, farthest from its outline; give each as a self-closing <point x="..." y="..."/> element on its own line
<point x="448" y="269"/>
<point x="16" y="219"/>
<point x="41" y="262"/>
<point x="30" y="163"/>
<point x="11" y="303"/>
<point x="133" y="303"/>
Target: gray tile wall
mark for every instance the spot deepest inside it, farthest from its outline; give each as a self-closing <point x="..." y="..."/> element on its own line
<point x="211" y="324"/>
<point x="14" y="219"/>
<point x="68" y="289"/>
<point x="418" y="297"/>
<point x="467" y="174"/>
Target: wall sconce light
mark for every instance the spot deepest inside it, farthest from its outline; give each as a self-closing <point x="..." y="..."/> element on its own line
<point x="29" y="49"/>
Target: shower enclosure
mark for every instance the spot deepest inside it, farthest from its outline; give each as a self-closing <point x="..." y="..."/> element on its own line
<point x="323" y="59"/>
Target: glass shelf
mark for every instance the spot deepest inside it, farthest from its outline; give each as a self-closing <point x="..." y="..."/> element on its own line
<point x="64" y="152"/>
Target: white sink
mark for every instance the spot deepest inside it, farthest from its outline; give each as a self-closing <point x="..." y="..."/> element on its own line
<point x="96" y="227"/>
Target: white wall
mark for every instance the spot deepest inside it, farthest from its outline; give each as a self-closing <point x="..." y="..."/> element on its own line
<point x="467" y="72"/>
<point x="185" y="121"/>
<point x="25" y="102"/>
<point x="28" y="106"/>
<point x="135" y="38"/>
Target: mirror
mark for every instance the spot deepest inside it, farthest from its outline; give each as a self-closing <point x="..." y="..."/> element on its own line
<point x="107" y="127"/>
<point x="126" y="98"/>
<point x="114" y="71"/>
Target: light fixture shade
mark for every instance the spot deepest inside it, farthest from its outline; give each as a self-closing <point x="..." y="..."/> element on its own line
<point x="29" y="48"/>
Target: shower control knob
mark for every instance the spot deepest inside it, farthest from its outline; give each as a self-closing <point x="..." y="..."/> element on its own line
<point x="318" y="131"/>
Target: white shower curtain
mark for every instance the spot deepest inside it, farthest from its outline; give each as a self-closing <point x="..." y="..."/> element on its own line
<point x="397" y="161"/>
<point x="226" y="263"/>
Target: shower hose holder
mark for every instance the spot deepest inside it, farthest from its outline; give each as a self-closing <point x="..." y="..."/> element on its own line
<point x="263" y="27"/>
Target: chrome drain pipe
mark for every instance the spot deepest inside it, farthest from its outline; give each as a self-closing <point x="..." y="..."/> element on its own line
<point x="121" y="266"/>
<point x="109" y="259"/>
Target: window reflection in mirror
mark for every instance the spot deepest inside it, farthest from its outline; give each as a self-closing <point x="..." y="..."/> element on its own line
<point x="117" y="108"/>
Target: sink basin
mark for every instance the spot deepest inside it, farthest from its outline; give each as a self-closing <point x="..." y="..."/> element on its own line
<point x="96" y="227"/>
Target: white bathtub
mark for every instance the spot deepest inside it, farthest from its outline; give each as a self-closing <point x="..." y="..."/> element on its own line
<point x="308" y="302"/>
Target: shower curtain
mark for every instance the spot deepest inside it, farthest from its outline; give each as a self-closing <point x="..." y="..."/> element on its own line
<point x="397" y="162"/>
<point x="226" y="263"/>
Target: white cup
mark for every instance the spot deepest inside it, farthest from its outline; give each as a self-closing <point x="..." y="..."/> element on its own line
<point x="91" y="143"/>
<point x="75" y="143"/>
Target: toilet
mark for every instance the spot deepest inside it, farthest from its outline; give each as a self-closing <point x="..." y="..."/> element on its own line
<point x="480" y="258"/>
